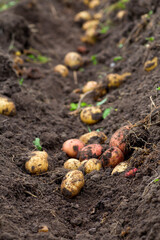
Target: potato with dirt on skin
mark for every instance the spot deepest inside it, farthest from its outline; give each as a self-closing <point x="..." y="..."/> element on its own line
<point x="121" y="167"/>
<point x="72" y="164"/>
<point x="89" y="86"/>
<point x="90" y="151"/>
<point x="93" y="136"/>
<point x="114" y="80"/>
<point x="92" y="165"/>
<point x="91" y="115"/>
<point x="112" y="157"/>
<point x="38" y="163"/>
<point x="7" y="107"/>
<point x="94" y="3"/>
<point x="90" y="24"/>
<point x="72" y="146"/>
<point x="72" y="183"/>
<point x="82" y="16"/>
<point x="73" y="60"/>
<point x="62" y="70"/>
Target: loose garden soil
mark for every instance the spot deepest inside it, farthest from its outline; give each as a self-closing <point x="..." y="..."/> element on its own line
<point x="109" y="206"/>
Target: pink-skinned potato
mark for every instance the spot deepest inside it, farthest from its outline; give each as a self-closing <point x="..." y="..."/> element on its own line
<point x="90" y="151"/>
<point x="72" y="146"/>
<point x="112" y="157"/>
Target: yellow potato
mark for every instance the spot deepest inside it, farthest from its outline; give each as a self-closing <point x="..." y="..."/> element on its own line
<point x="7" y="107"/>
<point x="38" y="162"/>
<point x="90" y="24"/>
<point x="92" y="164"/>
<point x="72" y="183"/>
<point x="91" y="115"/>
<point x="85" y="138"/>
<point x="150" y="65"/>
<point x="121" y="14"/>
<point x="91" y="32"/>
<point x="72" y="164"/>
<point x="121" y="167"/>
<point x="82" y="16"/>
<point x="63" y="70"/>
<point x="115" y="80"/>
<point x="89" y="86"/>
<point x="73" y="60"/>
<point x="94" y="3"/>
<point x="98" y="15"/>
<point x="87" y="39"/>
<point x="86" y="2"/>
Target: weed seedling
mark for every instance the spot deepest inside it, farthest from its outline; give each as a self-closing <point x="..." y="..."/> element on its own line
<point x="150" y="39"/>
<point x="37" y="144"/>
<point x="120" y="5"/>
<point x="156" y="180"/>
<point x="158" y="88"/>
<point x="101" y="102"/>
<point x="117" y="58"/>
<point x="149" y="14"/>
<point x="21" y="81"/>
<point x="89" y="129"/>
<point x="104" y="29"/>
<point x="94" y="59"/>
<point x="74" y="106"/>
<point x="106" y="112"/>
<point x="7" y="4"/>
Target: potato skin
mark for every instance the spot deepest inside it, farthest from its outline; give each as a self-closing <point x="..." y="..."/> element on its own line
<point x="62" y="70"/>
<point x="111" y="157"/>
<point x="72" y="183"/>
<point x="82" y="16"/>
<point x="90" y="151"/>
<point x="121" y="167"/>
<point x="90" y="24"/>
<point x="97" y="137"/>
<point x="73" y="60"/>
<point x="38" y="163"/>
<point x="118" y="139"/>
<point x="72" y="164"/>
<point x="7" y="107"/>
<point x="72" y="146"/>
<point x="91" y="165"/>
<point x="91" y="115"/>
<point x="89" y="86"/>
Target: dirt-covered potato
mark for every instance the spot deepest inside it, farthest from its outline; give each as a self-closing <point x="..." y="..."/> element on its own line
<point x="111" y="157"/>
<point x="72" y="164"/>
<point x="89" y="86"/>
<point x="91" y="32"/>
<point x="82" y="16"/>
<point x="98" y="15"/>
<point x="114" y="80"/>
<point x="121" y="167"/>
<point x="38" y="163"/>
<point x="93" y="136"/>
<point x="72" y="183"/>
<point x="7" y="107"/>
<point x="150" y="65"/>
<point x="72" y="146"/>
<point x="90" y="24"/>
<point x="91" y="165"/>
<point x="62" y="70"/>
<point x="90" y="151"/>
<point x="73" y="60"/>
<point x="94" y="3"/>
<point x="87" y="39"/>
<point x="91" y="115"/>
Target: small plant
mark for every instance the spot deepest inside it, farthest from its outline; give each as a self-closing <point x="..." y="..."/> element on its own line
<point x="106" y="112"/>
<point x="149" y="14"/>
<point x="120" y="45"/>
<point x="94" y="59"/>
<point x="37" y="144"/>
<point x="158" y="88"/>
<point x="117" y="58"/>
<point x="89" y="129"/>
<point x="104" y="29"/>
<point x="74" y="106"/>
<point x="38" y="59"/>
<point x="7" y="4"/>
<point x="150" y="39"/>
<point x="101" y="102"/>
<point x="120" y="5"/>
<point x="156" y="180"/>
<point x="21" y="81"/>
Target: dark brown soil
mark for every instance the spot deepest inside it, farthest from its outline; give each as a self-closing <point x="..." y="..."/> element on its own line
<point x="108" y="207"/>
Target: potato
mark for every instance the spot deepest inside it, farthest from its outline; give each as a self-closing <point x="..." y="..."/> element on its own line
<point x="112" y="157"/>
<point x="72" y="183"/>
<point x="91" y="32"/>
<point x="89" y="86"/>
<point x="82" y="16"/>
<point x="91" y="115"/>
<point x="63" y="70"/>
<point x="121" y="167"/>
<point x="150" y="65"/>
<point x="7" y="107"/>
<point x="72" y="164"/>
<point x="121" y="14"/>
<point x="73" y="60"/>
<point x="114" y="80"/>
<point x="90" y="24"/>
<point x="86" y="2"/>
<point x="90" y="151"/>
<point x="91" y="165"/>
<point x="98" y="15"/>
<point x="94" y="3"/>
<point x="118" y="139"/>
<point x="93" y="136"/>
<point x="87" y="39"/>
<point x="38" y="162"/>
<point x="72" y="146"/>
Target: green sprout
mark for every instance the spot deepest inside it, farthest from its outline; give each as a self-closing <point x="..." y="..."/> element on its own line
<point x="89" y="129"/>
<point x="37" y="144"/>
<point x="94" y="59"/>
<point x="156" y="180"/>
<point x="158" y="88"/>
<point x="4" y="5"/>
<point x="74" y="106"/>
<point x="106" y="112"/>
<point x="101" y="102"/>
<point x="104" y="29"/>
<point x="21" y="81"/>
<point x="149" y="14"/>
<point x="117" y="58"/>
<point x="150" y="39"/>
<point x="38" y="59"/>
<point x="120" y="5"/>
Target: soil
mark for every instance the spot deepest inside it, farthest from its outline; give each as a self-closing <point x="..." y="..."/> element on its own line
<point x="109" y="206"/>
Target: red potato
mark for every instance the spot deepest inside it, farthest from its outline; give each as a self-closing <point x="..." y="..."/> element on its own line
<point x="118" y="139"/>
<point x="72" y="146"/>
<point x="112" y="157"/>
<point x="131" y="173"/>
<point x="90" y="151"/>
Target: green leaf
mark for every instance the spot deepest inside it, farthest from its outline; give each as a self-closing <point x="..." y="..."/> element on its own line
<point x="156" y="180"/>
<point x="73" y="106"/>
<point x="37" y="144"/>
<point x="158" y="88"/>
<point x="104" y="29"/>
<point x="89" y="130"/>
<point x="21" y="81"/>
<point x="106" y="112"/>
<point x="43" y="59"/>
<point x="118" y="58"/>
<point x="94" y="59"/>
<point x="101" y="102"/>
<point x="120" y="45"/>
<point x="150" y="39"/>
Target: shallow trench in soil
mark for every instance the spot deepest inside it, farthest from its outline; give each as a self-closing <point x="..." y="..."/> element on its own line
<point x="108" y="206"/>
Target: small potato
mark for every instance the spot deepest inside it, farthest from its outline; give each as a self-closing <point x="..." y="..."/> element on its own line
<point x="73" y="60"/>
<point x="112" y="157"/>
<point x="91" y="115"/>
<point x="72" y="146"/>
<point x="90" y="151"/>
<point x="150" y="65"/>
<point x="72" y="164"/>
<point x="91" y="165"/>
<point x="114" y="80"/>
<point x="94" y="3"/>
<point x="72" y="183"/>
<point x="82" y="16"/>
<point x="87" y="39"/>
<point x="89" y="86"/>
<point x="121" y="167"/>
<point x="100" y="137"/>
<point x="91" y="32"/>
<point x="98" y="15"/>
<point x="7" y="107"/>
<point x="62" y="70"/>
<point x="118" y="139"/>
<point x="90" y="24"/>
<point x="38" y="163"/>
